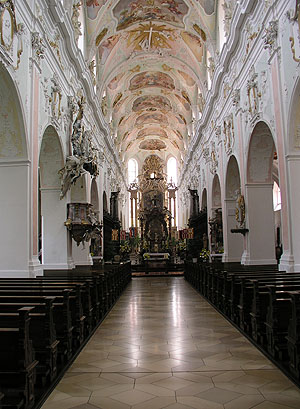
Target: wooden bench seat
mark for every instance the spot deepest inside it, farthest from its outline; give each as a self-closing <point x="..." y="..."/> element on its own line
<point x="17" y="363"/>
<point x="61" y="317"/>
<point x="42" y="334"/>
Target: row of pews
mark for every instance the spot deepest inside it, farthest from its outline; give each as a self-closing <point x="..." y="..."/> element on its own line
<point x="44" y="323"/>
<point x="264" y="303"/>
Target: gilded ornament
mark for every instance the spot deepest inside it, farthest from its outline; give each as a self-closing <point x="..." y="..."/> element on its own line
<point x="199" y="31"/>
<point x="101" y="36"/>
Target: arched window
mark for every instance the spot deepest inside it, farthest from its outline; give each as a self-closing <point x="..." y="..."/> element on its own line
<point x="172" y="170"/>
<point x="132" y="170"/>
<point x="276" y="197"/>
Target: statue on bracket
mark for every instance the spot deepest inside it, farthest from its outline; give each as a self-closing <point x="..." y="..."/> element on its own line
<point x="85" y="154"/>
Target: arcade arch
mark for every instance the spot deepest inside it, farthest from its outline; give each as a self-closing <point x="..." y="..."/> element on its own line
<point x="17" y="244"/>
<point x="260" y="241"/>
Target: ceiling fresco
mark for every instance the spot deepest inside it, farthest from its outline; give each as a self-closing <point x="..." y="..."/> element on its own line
<point x="129" y="12"/>
<point x="151" y="66"/>
<point x="151" y="79"/>
<point x="152" y="145"/>
<point x="152" y="101"/>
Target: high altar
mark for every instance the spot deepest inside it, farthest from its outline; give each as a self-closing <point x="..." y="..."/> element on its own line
<point x="154" y="216"/>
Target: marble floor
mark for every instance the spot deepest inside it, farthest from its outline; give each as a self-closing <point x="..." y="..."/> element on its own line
<point x="164" y="346"/>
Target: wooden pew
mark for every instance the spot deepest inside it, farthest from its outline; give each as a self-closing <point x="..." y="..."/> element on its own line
<point x="61" y="317"/>
<point x="293" y="338"/>
<point x="1" y="398"/>
<point x="244" y="307"/>
<point x="83" y="290"/>
<point x="17" y="363"/>
<point x="75" y="303"/>
<point x="42" y="334"/>
<point x="277" y="320"/>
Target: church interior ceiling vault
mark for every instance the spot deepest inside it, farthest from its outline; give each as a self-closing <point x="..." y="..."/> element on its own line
<point x="150" y="58"/>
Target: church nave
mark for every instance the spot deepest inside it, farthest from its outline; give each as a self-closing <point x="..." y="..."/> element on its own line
<point x="163" y="346"/>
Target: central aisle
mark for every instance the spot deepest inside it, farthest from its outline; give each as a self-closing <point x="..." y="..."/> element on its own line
<point x="164" y="346"/>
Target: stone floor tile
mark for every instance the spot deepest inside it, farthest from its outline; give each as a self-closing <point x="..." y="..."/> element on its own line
<point x="271" y="405"/>
<point x="154" y="389"/>
<point x="66" y="403"/>
<point x="103" y="402"/>
<point x="219" y="395"/>
<point x="133" y="397"/>
<point x="160" y="402"/>
<point x="244" y="402"/>
<point x="198" y="403"/>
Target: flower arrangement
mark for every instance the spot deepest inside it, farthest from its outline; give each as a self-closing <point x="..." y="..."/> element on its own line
<point x="182" y="245"/>
<point x="204" y="254"/>
<point x="125" y="247"/>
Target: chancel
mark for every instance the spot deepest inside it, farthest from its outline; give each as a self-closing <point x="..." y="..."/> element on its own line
<point x="149" y="175"/>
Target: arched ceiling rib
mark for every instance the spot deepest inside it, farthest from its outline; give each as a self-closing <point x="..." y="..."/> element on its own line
<point x="151" y="65"/>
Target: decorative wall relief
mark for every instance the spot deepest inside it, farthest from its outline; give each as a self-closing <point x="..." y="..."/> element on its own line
<point x="228" y="7"/>
<point x="211" y="68"/>
<point x="213" y="166"/>
<point x="75" y="21"/>
<point x="270" y="36"/>
<point x="55" y="99"/>
<point x="92" y="68"/>
<point x="218" y="134"/>
<point x="54" y="44"/>
<point x="295" y="30"/>
<point x="228" y="131"/>
<point x="236" y="98"/>
<point x="38" y="46"/>
<point x="252" y="92"/>
<point x="251" y="35"/>
<point x="20" y="32"/>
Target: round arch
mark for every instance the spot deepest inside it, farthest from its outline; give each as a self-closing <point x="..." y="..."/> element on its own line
<point x="204" y="200"/>
<point x="260" y="154"/>
<point x="216" y="221"/>
<point x="260" y="241"/>
<point x="233" y="180"/>
<point x="105" y="205"/>
<point x="233" y="245"/>
<point x="53" y="237"/>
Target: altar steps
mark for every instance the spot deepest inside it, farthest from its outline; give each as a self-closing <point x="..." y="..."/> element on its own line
<point x="157" y="274"/>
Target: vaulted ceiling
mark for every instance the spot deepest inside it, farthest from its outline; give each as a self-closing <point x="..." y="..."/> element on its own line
<point x="151" y="69"/>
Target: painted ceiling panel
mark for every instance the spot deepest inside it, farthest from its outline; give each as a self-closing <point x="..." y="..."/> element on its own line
<point x="129" y="12"/>
<point x="151" y="65"/>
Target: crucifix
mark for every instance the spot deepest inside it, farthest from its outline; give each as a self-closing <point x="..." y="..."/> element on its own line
<point x="150" y="31"/>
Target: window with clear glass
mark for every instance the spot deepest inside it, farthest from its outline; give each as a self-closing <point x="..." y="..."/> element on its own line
<point x="276" y="197"/>
<point x="132" y="170"/>
<point x="172" y="170"/>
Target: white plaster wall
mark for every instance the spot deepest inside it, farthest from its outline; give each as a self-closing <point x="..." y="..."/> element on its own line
<point x="260" y="222"/>
<point x="15" y="223"/>
<point x="54" y="237"/>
